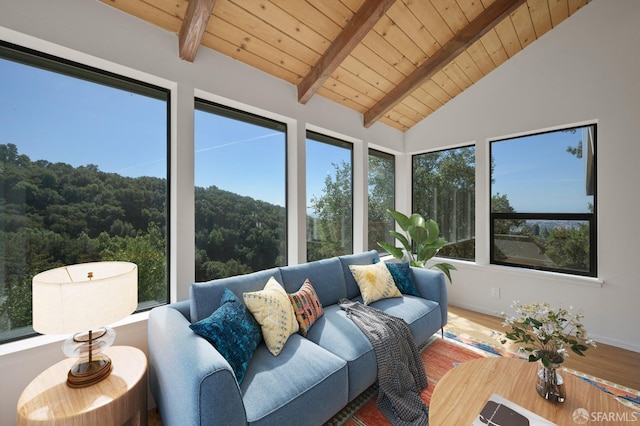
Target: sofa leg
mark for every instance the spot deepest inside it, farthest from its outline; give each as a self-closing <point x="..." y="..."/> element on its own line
<point x="442" y="332"/>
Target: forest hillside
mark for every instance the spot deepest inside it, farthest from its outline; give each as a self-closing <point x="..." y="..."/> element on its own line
<point x="54" y="214"/>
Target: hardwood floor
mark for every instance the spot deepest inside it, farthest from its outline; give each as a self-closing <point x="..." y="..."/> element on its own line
<point x="607" y="362"/>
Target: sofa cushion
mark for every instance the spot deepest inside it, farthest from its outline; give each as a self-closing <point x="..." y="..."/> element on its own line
<point x="273" y="311"/>
<point x="402" y="276"/>
<point x="233" y="331"/>
<point x="304" y="385"/>
<point x="341" y="336"/>
<point x="423" y="316"/>
<point x="205" y="296"/>
<point x="366" y="258"/>
<point x="326" y="276"/>
<point x="375" y="282"/>
<point x="306" y="306"/>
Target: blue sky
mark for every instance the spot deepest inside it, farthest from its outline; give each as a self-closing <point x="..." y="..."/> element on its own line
<point x="239" y="157"/>
<point x="320" y="159"/>
<point x="62" y="119"/>
<point x="251" y="160"/>
<point x="538" y="174"/>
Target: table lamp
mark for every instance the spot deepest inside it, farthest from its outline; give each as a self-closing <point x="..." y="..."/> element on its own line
<point x="84" y="299"/>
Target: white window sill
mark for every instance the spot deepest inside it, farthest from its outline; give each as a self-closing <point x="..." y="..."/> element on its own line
<point x="517" y="272"/>
<point x="546" y="275"/>
<point x="43" y="340"/>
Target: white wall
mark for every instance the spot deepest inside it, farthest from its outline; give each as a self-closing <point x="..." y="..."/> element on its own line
<point x="584" y="70"/>
<point x="99" y="35"/>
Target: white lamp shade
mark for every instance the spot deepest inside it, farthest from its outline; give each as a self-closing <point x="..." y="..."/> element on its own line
<point x="66" y="300"/>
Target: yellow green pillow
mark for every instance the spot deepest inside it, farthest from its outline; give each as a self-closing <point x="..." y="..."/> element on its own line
<point x="375" y="282"/>
<point x="273" y="311"/>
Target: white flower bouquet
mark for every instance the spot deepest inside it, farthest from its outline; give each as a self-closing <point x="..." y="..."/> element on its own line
<point x="546" y="333"/>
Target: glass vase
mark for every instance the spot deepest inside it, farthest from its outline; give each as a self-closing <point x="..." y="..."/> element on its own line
<point x="550" y="384"/>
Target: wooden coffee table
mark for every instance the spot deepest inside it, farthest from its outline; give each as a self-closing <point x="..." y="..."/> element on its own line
<point x="460" y="395"/>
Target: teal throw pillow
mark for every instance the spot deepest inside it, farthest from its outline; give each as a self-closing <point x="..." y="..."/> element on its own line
<point x="401" y="273"/>
<point x="233" y="331"/>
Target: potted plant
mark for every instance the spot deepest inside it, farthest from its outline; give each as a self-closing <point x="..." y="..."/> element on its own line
<point x="545" y="334"/>
<point x="420" y="241"/>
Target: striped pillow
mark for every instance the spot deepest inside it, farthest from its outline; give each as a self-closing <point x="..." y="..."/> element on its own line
<point x="306" y="306"/>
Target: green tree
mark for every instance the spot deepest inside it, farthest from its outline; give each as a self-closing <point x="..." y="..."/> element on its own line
<point x="54" y="214"/>
<point x="29" y="252"/>
<point x="236" y="234"/>
<point x="148" y="251"/>
<point x="569" y="248"/>
<point x="381" y="198"/>
<point x="17" y="303"/>
<point x="444" y="190"/>
<point x="500" y="204"/>
<point x="574" y="150"/>
<point x="333" y="211"/>
<point x="214" y="269"/>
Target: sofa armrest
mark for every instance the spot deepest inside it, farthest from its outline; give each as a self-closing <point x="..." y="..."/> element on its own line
<point x="432" y="286"/>
<point x="190" y="380"/>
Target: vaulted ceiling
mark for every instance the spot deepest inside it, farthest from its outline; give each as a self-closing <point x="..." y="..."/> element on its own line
<point x="394" y="61"/>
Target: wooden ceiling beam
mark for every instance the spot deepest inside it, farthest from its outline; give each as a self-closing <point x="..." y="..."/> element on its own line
<point x="477" y="28"/>
<point x="193" y="27"/>
<point x="356" y="29"/>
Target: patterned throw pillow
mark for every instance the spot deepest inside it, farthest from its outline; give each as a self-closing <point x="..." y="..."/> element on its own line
<point x="375" y="282"/>
<point x="233" y="331"/>
<point x="306" y="306"/>
<point x="401" y="273"/>
<point x="273" y="311"/>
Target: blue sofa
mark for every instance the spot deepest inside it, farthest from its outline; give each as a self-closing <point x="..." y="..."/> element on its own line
<point x="313" y="377"/>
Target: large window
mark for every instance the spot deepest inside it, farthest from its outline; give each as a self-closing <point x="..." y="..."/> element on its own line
<point x="83" y="177"/>
<point x="329" y="197"/>
<point x="444" y="190"/>
<point x="240" y="192"/>
<point x="543" y="194"/>
<point x="381" y="197"/>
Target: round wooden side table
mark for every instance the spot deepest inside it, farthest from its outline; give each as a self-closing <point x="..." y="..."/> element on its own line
<point x="119" y="399"/>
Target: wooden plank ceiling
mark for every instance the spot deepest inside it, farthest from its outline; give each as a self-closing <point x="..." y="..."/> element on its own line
<point x="394" y="61"/>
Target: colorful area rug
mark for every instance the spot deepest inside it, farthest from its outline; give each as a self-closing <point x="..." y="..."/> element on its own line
<point x="441" y="355"/>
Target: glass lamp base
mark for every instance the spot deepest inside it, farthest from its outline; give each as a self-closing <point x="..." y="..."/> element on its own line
<point x="86" y="373"/>
<point x="92" y="366"/>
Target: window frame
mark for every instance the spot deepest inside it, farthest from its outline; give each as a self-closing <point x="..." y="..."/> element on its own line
<point x="217" y="108"/>
<point x="591" y="218"/>
<point x="340" y="143"/>
<point x="212" y="107"/>
<point x="472" y="226"/>
<point x="73" y="69"/>
<point x="385" y="156"/>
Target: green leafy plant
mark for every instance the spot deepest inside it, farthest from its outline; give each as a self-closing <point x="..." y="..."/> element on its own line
<point x="420" y="241"/>
<point x="546" y="333"/>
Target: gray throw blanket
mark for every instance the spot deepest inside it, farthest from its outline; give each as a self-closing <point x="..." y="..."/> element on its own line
<point x="401" y="374"/>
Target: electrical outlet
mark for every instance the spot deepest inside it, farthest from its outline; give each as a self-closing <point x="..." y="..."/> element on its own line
<point x="495" y="292"/>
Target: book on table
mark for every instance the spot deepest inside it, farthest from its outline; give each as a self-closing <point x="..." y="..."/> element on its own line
<point x="499" y="411"/>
